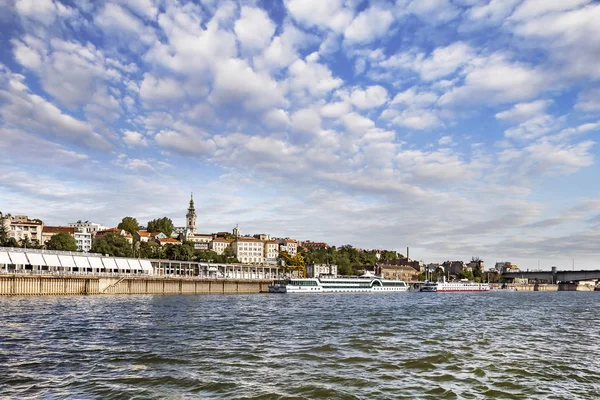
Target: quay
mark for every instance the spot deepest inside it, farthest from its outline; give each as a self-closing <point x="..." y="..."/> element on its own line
<point x="47" y="285"/>
<point x="45" y="272"/>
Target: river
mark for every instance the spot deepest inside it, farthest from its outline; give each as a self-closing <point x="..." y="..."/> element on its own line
<point x="508" y="345"/>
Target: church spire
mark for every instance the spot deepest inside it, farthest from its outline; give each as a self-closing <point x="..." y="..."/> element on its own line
<point x="191" y="216"/>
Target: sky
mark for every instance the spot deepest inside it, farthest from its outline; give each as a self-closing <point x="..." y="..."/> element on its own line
<point x="460" y="128"/>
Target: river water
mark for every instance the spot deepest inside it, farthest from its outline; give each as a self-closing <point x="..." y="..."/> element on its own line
<point x="508" y="345"/>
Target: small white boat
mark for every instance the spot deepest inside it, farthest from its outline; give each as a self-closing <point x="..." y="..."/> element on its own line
<point x="429" y="287"/>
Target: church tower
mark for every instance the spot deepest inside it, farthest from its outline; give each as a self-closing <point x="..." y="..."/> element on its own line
<point x="191" y="217"/>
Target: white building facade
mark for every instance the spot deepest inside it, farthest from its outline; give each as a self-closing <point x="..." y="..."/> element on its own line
<point x="87" y="227"/>
<point x="219" y="245"/>
<point x="316" y="270"/>
<point x="84" y="241"/>
<point x="249" y="250"/>
<point x="271" y="251"/>
<point x="290" y="246"/>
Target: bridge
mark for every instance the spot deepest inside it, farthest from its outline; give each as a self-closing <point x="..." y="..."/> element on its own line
<point x="555" y="276"/>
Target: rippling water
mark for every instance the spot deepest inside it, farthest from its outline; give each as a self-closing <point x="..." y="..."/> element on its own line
<point x="339" y="346"/>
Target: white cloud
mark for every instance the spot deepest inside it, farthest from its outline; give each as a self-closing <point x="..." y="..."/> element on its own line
<point x="357" y="124"/>
<point x="276" y="118"/>
<point x="134" y="139"/>
<point x="445" y="141"/>
<point x="414" y="97"/>
<point x="369" y="25"/>
<point x="144" y="8"/>
<point x="236" y="82"/>
<point x="535" y="127"/>
<point x="189" y="48"/>
<point x="524" y="111"/>
<point x="371" y="97"/>
<point x="312" y="77"/>
<point x="560" y="158"/>
<point x="183" y="143"/>
<point x="117" y="21"/>
<point x="492" y="13"/>
<point x="569" y="37"/>
<point x="43" y="11"/>
<point x="413" y="118"/>
<point x="433" y="10"/>
<point x="33" y="113"/>
<point x="589" y="100"/>
<point x="283" y="49"/>
<point x="442" y="62"/>
<point x="535" y="8"/>
<point x="495" y="79"/>
<point x="254" y="29"/>
<point x="160" y="89"/>
<point x="336" y="109"/>
<point x="306" y="120"/>
<point x="323" y="14"/>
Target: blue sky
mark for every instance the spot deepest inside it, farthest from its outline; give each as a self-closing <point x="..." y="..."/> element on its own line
<point x="459" y="128"/>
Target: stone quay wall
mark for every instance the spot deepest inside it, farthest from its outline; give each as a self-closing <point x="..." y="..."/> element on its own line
<point x="40" y="285"/>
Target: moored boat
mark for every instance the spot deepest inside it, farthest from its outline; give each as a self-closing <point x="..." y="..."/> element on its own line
<point x="361" y="284"/>
<point x="429" y="287"/>
<point x="461" y="286"/>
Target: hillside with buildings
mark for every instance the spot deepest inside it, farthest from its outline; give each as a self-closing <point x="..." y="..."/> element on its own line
<point x="129" y="239"/>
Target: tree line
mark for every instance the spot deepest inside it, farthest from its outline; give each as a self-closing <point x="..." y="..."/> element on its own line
<point x="348" y="259"/>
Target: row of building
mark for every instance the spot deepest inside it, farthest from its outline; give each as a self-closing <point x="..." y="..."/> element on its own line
<point x="257" y="249"/>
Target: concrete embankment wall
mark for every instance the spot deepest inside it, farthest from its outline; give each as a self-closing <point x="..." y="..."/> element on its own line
<point x="561" y="287"/>
<point x="19" y="285"/>
<point x="530" y="287"/>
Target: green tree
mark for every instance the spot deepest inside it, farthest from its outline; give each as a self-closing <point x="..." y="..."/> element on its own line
<point x="150" y="250"/>
<point x="129" y="224"/>
<point x="11" y="242"/>
<point x="467" y="274"/>
<point x="62" y="241"/>
<point x="113" y="245"/>
<point x="164" y="225"/>
<point x="183" y="252"/>
<point x="3" y="231"/>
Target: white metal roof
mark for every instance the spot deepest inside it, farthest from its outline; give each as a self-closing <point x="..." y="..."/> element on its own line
<point x="18" y="258"/>
<point x="146" y="266"/>
<point x="52" y="260"/>
<point x="81" y="262"/>
<point x="66" y="261"/>
<point x="109" y="263"/>
<point x="36" y="259"/>
<point x="96" y="262"/>
<point x="122" y="263"/>
<point x="134" y="264"/>
<point x="4" y="259"/>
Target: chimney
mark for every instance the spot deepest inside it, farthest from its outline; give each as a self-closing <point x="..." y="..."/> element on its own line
<point x="407" y="254"/>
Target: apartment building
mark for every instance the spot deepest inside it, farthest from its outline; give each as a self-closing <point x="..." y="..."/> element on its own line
<point x="249" y="250"/>
<point x="289" y="245"/>
<point x="219" y="245"/>
<point x="22" y="227"/>
<point x="271" y="251"/>
<point x="87" y="227"/>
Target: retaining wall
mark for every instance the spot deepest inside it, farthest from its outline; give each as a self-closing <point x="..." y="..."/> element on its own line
<point x="33" y="285"/>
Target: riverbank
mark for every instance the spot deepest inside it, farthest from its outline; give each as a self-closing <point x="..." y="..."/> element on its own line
<point x="43" y="285"/>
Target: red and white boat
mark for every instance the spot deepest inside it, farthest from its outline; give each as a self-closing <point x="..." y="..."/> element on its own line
<point x="464" y="285"/>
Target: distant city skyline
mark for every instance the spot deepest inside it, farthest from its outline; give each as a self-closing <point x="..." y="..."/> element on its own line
<point x="459" y="128"/>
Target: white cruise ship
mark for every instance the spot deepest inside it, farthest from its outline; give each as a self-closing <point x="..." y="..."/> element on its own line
<point x="463" y="285"/>
<point x="362" y="284"/>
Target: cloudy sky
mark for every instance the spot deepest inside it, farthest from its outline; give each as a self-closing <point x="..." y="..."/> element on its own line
<point x="459" y="128"/>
